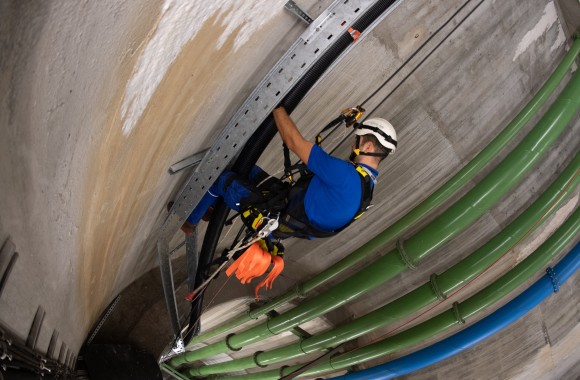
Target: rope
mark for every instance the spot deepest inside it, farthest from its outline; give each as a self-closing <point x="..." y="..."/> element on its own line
<point x="416" y="67"/>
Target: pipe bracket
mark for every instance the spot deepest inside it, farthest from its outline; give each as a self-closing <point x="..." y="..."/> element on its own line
<point x="457" y="313"/>
<point x="282" y="370"/>
<point x="554" y="278"/>
<point x="229" y="345"/>
<point x="404" y="256"/>
<point x="251" y="316"/>
<point x="299" y="291"/>
<point x="436" y="289"/>
<point x="255" y="358"/>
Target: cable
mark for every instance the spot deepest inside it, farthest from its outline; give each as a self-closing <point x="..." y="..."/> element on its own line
<point x="416" y="67"/>
<point x="418" y="50"/>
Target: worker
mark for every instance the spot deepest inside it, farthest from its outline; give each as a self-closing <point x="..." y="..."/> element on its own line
<point x="321" y="204"/>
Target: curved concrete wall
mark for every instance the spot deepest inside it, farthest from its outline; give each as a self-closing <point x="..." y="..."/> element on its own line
<point x="98" y="99"/>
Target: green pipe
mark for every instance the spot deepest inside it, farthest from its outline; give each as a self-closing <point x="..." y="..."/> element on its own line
<point x="448" y="225"/>
<point x="457" y="315"/>
<point x="426" y="294"/>
<point x="172" y="372"/>
<point x="429" y="204"/>
<point x="483" y="299"/>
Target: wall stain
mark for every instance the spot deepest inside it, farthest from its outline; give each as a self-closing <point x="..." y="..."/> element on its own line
<point x="124" y="171"/>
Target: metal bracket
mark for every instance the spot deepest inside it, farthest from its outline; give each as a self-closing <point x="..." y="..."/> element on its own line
<point x="192" y="259"/>
<point x="52" y="344"/>
<point x="554" y="278"/>
<point x="179" y="347"/>
<point x="103" y="319"/>
<point x="169" y="288"/>
<point x="8" y="250"/>
<point x="294" y="8"/>
<point x="62" y="353"/>
<point x="35" y="328"/>
<point x="187" y="162"/>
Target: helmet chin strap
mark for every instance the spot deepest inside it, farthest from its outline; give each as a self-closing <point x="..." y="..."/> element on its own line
<point x="357" y="152"/>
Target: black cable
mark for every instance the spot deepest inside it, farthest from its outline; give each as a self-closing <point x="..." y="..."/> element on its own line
<point x="414" y="54"/>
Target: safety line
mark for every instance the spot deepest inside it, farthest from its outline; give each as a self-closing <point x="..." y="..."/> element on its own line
<point x="213" y="298"/>
<point x="401" y="67"/>
<point x="418" y="50"/>
<point x="428" y="55"/>
<point x="416" y="67"/>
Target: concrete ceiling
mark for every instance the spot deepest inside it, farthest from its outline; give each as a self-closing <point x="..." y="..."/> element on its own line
<point x="99" y="98"/>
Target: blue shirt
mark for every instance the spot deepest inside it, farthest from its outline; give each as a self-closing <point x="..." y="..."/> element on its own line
<point x="334" y="194"/>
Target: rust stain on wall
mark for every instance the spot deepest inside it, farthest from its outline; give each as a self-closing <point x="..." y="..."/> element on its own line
<point x="124" y="169"/>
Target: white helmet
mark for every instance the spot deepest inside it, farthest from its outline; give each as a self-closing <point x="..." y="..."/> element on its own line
<point x="382" y="129"/>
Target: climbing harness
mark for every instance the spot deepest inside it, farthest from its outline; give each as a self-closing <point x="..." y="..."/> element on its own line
<point x="271" y="218"/>
<point x="292" y="220"/>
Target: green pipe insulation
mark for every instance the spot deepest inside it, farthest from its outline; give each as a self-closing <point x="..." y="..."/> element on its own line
<point x="438" y="288"/>
<point x="454" y="220"/>
<point x="429" y="204"/>
<point x="456" y="315"/>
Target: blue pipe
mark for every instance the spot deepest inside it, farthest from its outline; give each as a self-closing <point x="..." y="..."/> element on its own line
<point x="503" y="317"/>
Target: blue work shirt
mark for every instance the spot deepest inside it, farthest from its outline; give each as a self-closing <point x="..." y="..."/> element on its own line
<point x="334" y="194"/>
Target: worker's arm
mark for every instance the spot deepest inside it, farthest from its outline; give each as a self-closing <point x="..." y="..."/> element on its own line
<point x="291" y="135"/>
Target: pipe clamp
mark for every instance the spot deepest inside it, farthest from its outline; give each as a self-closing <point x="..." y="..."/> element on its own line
<point x="229" y="345"/>
<point x="299" y="291"/>
<point x="436" y="289"/>
<point x="457" y="313"/>
<point x="404" y="256"/>
<point x="255" y="358"/>
<point x="282" y="370"/>
<point x="554" y="278"/>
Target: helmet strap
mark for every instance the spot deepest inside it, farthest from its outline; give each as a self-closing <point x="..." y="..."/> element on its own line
<point x="357" y="152"/>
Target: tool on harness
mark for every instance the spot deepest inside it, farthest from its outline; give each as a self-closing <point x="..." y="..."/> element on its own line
<point x="268" y="225"/>
<point x="255" y="261"/>
<point x="252" y="218"/>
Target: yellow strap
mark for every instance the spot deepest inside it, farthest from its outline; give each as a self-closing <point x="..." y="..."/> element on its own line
<point x="361" y="171"/>
<point x="257" y="221"/>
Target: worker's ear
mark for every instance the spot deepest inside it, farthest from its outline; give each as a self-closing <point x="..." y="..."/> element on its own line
<point x="368" y="146"/>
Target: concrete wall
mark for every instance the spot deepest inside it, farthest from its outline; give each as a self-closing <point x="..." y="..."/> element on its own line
<point x="98" y="99"/>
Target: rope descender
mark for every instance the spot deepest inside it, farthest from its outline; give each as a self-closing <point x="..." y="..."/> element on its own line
<point x="352" y="115"/>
